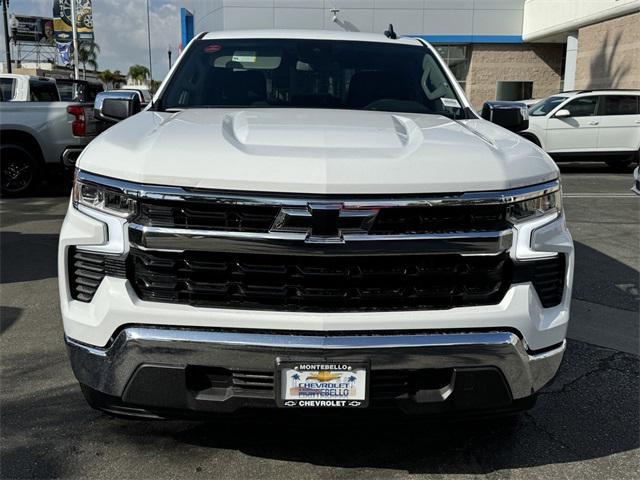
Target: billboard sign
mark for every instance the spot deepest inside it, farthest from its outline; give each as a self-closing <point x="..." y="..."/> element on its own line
<point x="28" y="29"/>
<point x="62" y="20"/>
<point x="186" y="27"/>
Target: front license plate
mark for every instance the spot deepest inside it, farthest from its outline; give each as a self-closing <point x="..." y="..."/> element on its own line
<point x="323" y="384"/>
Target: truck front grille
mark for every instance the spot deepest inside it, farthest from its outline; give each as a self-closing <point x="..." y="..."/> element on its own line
<point x="214" y="216"/>
<point x="319" y="283"/>
<point x="229" y="217"/>
<point x="319" y="253"/>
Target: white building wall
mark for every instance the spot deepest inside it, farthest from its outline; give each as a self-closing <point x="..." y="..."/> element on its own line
<point x="468" y="18"/>
<point x="544" y="18"/>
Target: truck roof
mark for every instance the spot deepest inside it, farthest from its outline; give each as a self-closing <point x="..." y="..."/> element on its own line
<point x="309" y="35"/>
<point x="26" y="77"/>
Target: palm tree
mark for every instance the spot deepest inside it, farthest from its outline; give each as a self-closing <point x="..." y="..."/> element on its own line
<point x="154" y="85"/>
<point x="118" y="79"/>
<point x="138" y="73"/>
<point x="88" y="55"/>
<point x="107" y="77"/>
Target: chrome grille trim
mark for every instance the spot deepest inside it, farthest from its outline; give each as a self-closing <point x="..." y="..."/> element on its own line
<point x="180" y="194"/>
<point x="280" y="240"/>
<point x="283" y="243"/>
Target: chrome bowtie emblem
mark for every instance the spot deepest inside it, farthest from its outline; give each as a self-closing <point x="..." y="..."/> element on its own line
<point x="354" y="403"/>
<point x="290" y="403"/>
<point x="324" y="222"/>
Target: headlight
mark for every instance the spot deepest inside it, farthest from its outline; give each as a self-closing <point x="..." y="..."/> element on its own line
<point x="535" y="207"/>
<point x="104" y="199"/>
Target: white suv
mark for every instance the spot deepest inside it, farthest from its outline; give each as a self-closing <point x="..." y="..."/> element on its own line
<point x="600" y="125"/>
<point x="313" y="220"/>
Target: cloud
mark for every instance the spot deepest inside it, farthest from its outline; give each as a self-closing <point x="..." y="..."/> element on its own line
<point x="120" y="28"/>
<point x="121" y="31"/>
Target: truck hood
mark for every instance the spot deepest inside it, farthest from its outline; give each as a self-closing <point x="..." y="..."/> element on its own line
<point x="316" y="151"/>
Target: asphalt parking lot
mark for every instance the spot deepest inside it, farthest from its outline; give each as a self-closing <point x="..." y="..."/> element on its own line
<point x="584" y="426"/>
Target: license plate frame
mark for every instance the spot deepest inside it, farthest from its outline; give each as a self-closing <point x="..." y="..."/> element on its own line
<point x="360" y="369"/>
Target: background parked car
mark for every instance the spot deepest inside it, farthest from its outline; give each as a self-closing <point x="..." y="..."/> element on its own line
<point x="38" y="131"/>
<point x="601" y="125"/>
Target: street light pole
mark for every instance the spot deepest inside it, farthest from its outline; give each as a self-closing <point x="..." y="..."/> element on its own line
<point x="169" y="53"/>
<point x="149" y="41"/>
<point x="5" y="4"/>
<point x="74" y="33"/>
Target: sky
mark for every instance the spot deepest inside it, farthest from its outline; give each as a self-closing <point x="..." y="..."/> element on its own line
<point x="120" y="29"/>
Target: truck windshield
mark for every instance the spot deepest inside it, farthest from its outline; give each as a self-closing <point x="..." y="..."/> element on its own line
<point x="288" y="73"/>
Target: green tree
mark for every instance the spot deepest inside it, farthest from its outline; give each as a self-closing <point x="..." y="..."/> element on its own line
<point x="88" y="55"/>
<point x="107" y="77"/>
<point x="138" y="73"/>
<point x="119" y="79"/>
<point x="154" y="85"/>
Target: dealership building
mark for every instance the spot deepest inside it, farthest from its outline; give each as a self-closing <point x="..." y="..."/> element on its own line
<point x="497" y="49"/>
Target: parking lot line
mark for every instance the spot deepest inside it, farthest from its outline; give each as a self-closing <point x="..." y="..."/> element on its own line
<point x="599" y="195"/>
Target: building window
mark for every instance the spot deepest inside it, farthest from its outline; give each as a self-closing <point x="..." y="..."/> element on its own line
<point x="514" y="90"/>
<point x="457" y="58"/>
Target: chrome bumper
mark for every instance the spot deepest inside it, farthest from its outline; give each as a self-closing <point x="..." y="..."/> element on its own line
<point x="110" y="370"/>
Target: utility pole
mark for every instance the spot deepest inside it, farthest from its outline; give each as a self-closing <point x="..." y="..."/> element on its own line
<point x="74" y="33"/>
<point x="5" y="4"/>
<point x="169" y="53"/>
<point x="149" y="40"/>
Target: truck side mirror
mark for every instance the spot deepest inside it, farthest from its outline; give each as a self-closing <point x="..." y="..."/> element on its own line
<point x="113" y="106"/>
<point x="513" y="116"/>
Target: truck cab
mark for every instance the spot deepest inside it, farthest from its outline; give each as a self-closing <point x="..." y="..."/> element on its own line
<point x="25" y="88"/>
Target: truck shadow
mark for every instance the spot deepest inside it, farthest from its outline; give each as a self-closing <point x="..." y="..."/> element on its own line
<point x="27" y="256"/>
<point x="611" y="283"/>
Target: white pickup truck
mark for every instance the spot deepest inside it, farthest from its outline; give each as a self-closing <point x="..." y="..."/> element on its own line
<point x="313" y="220"/>
<point x="38" y="132"/>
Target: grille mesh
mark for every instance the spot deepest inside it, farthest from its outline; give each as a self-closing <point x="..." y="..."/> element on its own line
<point x="226" y="217"/>
<point x="86" y="271"/>
<point x="319" y="283"/>
<point x="547" y="277"/>
<point x="260" y="218"/>
<point x="469" y="218"/>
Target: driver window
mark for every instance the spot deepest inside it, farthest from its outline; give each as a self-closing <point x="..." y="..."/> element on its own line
<point x="582" y="107"/>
